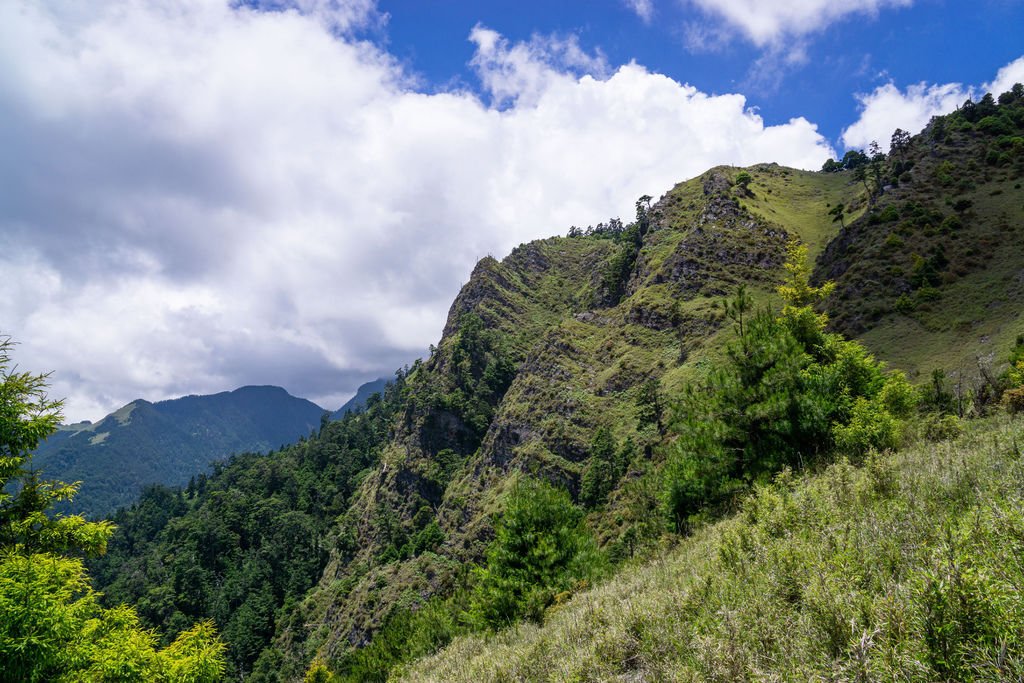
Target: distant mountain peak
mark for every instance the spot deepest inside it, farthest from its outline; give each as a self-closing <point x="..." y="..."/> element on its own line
<point x="169" y="441"/>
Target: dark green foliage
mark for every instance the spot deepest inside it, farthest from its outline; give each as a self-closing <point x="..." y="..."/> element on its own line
<point x="166" y="442"/>
<point x="242" y="544"/>
<point x="788" y="391"/>
<point x="606" y="466"/>
<point x="406" y="634"/>
<point x="619" y="268"/>
<point x="1017" y="352"/>
<point x="481" y="367"/>
<point x="541" y="549"/>
<point x="852" y="160"/>
<point x="888" y="214"/>
<point x="483" y="371"/>
<point x="936" y="396"/>
<point x="924" y="272"/>
<point x="837" y="214"/>
<point x="649" y="405"/>
<point x="611" y="230"/>
<point x="900" y="142"/>
<point x="743" y="180"/>
<point x="993" y="125"/>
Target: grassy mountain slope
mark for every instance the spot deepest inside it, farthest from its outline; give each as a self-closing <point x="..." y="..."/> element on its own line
<point x="848" y="573"/>
<point x="170" y="441"/>
<point x="937" y="257"/>
<point x="581" y="364"/>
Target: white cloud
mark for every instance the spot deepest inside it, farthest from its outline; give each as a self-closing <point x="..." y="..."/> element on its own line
<point x="643" y="9"/>
<point x="888" y="108"/>
<point x="523" y="72"/>
<point x="1006" y="78"/>
<point x="195" y="196"/>
<point x="767" y="23"/>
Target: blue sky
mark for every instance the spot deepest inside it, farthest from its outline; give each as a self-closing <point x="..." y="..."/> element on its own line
<point x="933" y="41"/>
<point x="196" y="195"/>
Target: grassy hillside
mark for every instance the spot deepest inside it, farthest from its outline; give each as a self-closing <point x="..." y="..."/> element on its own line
<point x="936" y="257"/>
<point x="904" y="568"/>
<point x="582" y="361"/>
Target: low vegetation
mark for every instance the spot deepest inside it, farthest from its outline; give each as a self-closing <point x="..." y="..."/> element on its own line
<point x="902" y="567"/>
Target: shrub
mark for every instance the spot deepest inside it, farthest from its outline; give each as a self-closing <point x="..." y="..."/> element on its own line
<point x="995" y="125"/>
<point x="743" y="180"/>
<point x="787" y="391"/>
<point x="889" y="214"/>
<point x="904" y="304"/>
<point x="1013" y="400"/>
<point x="869" y="428"/>
<point x="942" y="427"/>
<point x="893" y="241"/>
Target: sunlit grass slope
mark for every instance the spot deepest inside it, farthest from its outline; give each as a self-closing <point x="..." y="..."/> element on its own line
<point x="908" y="567"/>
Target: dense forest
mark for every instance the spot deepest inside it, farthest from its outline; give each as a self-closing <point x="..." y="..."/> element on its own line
<point x="181" y="437"/>
<point x="688" y="412"/>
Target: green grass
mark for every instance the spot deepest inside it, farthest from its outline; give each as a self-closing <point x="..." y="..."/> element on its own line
<point x="800" y="200"/>
<point x="952" y="201"/>
<point x="905" y="568"/>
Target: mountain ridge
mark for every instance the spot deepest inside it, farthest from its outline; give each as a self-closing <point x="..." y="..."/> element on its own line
<point x="177" y="439"/>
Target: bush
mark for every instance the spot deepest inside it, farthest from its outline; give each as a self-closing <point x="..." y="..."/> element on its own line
<point x="788" y="391"/>
<point x="871" y="427"/>
<point x="904" y="304"/>
<point x="743" y="180"/>
<point x="1013" y="400"/>
<point x="995" y="125"/>
<point x="942" y="427"/>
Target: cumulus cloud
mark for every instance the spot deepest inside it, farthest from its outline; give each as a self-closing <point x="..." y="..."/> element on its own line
<point x="769" y="23"/>
<point x="887" y="108"/>
<point x="1006" y="78"/>
<point x="197" y="195"/>
<point x="523" y="72"/>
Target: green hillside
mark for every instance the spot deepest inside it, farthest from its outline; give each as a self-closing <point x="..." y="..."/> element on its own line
<point x="168" y="442"/>
<point x="362" y="395"/>
<point x="619" y="365"/>
<point x="936" y="258"/>
<point x="906" y="568"/>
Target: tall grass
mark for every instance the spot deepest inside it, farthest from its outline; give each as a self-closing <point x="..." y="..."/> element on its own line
<point x="907" y="567"/>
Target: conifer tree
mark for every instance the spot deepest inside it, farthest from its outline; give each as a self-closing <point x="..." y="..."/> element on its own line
<point x="787" y="391"/>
